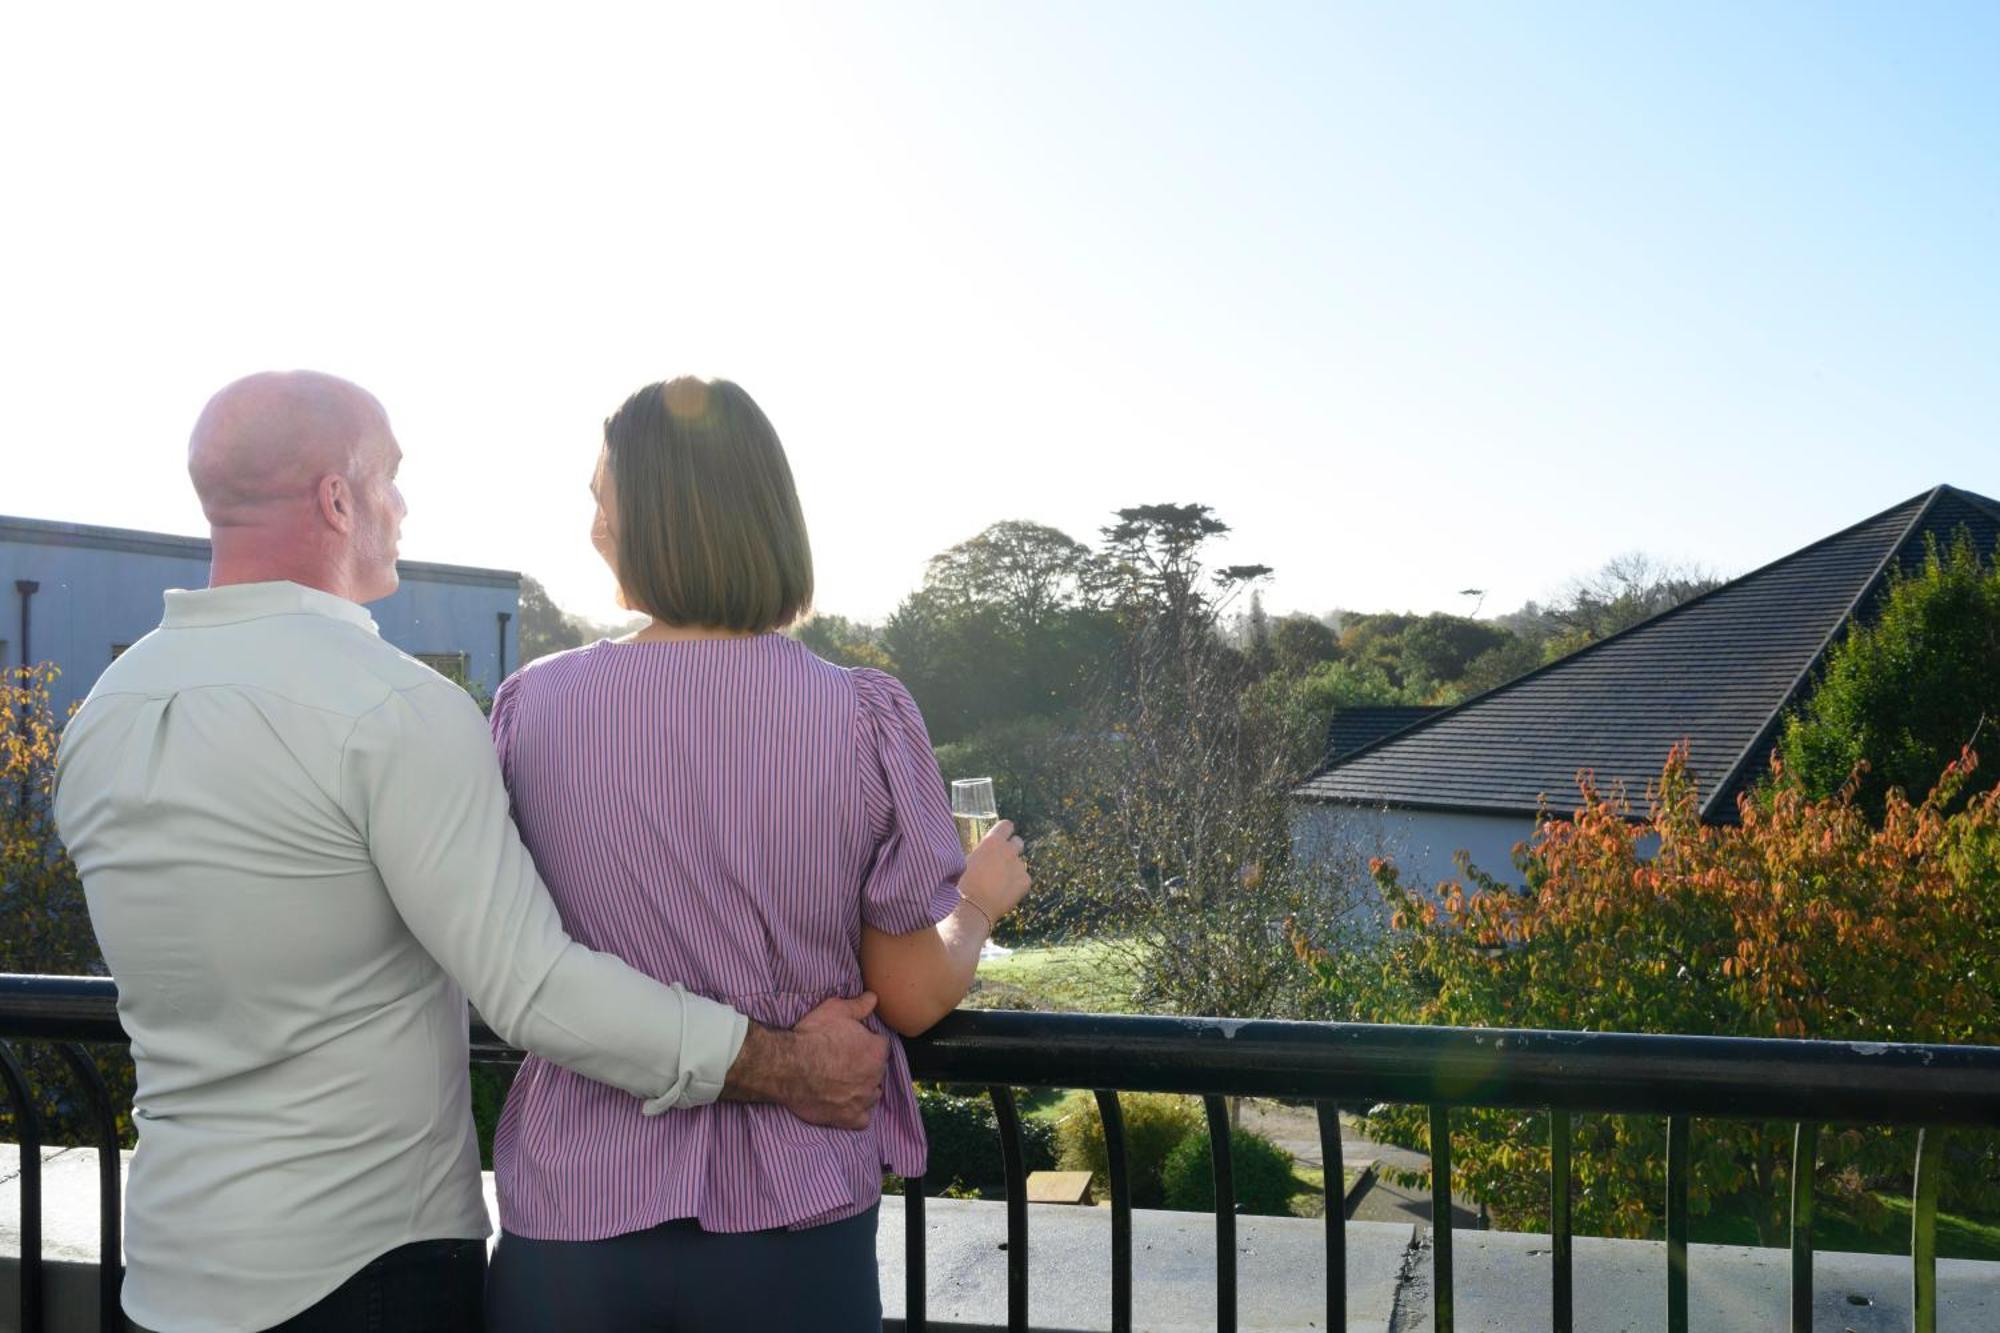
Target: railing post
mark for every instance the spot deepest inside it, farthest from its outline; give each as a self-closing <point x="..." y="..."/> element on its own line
<point x="1335" y="1165"/>
<point x="1679" y="1161"/>
<point x="1009" y="1119"/>
<point x="1224" y="1166"/>
<point x="110" y="1269"/>
<point x="1805" y="1164"/>
<point x="1442" y="1314"/>
<point x="28" y="1124"/>
<point x="1561" y="1315"/>
<point x="1923" y="1229"/>
<point x="916" y="1282"/>
<point x="1113" y="1118"/>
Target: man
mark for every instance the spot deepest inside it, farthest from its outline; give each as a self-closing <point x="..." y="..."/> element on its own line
<point x="298" y="859"/>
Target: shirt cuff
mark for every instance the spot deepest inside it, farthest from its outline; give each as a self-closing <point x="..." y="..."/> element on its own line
<point x="711" y="1036"/>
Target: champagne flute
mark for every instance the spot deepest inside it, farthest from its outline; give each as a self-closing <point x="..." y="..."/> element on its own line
<point x="973" y="810"/>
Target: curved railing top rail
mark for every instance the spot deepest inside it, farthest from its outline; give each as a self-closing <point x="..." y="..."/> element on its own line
<point x="1755" y="1078"/>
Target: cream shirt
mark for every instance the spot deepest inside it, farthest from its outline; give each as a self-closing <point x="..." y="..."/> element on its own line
<point x="296" y="849"/>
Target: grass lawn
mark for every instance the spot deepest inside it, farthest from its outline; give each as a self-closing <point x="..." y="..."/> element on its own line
<point x="1958" y="1237"/>
<point x="1072" y="977"/>
<point x="1310" y="1200"/>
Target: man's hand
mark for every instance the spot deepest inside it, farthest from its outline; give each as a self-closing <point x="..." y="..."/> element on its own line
<point x="843" y="1063"/>
<point x="826" y="1071"/>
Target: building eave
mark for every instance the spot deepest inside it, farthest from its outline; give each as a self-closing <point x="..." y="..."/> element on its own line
<point x="133" y="541"/>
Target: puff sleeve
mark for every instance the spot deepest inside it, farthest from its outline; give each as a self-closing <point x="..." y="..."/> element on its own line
<point x="913" y="881"/>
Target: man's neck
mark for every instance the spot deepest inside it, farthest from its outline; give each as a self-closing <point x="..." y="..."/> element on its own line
<point x="239" y="555"/>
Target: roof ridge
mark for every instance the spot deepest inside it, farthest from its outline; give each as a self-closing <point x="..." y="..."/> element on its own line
<point x="1868" y="589"/>
<point x="1452" y="710"/>
<point x="1976" y="500"/>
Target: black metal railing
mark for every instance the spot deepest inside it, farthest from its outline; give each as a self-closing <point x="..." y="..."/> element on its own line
<point x="1680" y="1078"/>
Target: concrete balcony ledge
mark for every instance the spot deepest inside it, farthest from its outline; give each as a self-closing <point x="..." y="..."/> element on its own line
<point x="1502" y="1278"/>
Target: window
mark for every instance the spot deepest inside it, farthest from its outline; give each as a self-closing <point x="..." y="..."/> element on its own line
<point x="454" y="667"/>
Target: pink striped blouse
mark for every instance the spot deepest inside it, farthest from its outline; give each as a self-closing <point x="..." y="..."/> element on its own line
<point x="725" y="814"/>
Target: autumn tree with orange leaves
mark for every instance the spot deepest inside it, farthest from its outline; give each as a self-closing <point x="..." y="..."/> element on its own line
<point x="1807" y="919"/>
<point x="44" y="926"/>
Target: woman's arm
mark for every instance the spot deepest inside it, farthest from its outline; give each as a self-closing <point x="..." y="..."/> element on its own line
<point x="920" y="977"/>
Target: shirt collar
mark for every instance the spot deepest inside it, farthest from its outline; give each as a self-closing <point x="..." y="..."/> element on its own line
<point x="253" y="601"/>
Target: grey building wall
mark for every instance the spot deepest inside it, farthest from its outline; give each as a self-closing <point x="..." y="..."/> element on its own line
<point x="1422" y="843"/>
<point x="100" y="590"/>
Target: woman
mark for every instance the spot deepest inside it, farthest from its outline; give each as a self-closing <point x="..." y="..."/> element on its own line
<point x="719" y="807"/>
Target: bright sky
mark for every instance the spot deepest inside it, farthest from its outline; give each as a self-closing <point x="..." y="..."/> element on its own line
<point x="1418" y="297"/>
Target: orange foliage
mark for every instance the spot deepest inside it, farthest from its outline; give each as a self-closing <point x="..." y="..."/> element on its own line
<point x="44" y="926"/>
<point x="1806" y="919"/>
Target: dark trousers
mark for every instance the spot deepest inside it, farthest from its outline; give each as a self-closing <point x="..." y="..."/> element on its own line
<point x="429" y="1286"/>
<point x="677" y="1278"/>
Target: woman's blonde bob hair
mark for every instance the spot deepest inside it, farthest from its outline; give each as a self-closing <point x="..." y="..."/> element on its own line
<point x="709" y="530"/>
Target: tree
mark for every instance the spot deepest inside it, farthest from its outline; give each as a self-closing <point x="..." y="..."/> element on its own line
<point x="544" y="627"/>
<point x="1153" y="559"/>
<point x="1005" y="627"/>
<point x="1497" y="665"/>
<point x="1901" y="694"/>
<point x="47" y="929"/>
<point x="1308" y="704"/>
<point x="1628" y="589"/>
<point x="1375" y="639"/>
<point x="1441" y="647"/>
<point x="1254" y="637"/>
<point x="1173" y="650"/>
<point x="1177" y="847"/>
<point x="1028" y="572"/>
<point x="1300" y="643"/>
<point x="844" y="642"/>
<point x="1806" y="920"/>
<point x="960" y="663"/>
<point x="44" y="923"/>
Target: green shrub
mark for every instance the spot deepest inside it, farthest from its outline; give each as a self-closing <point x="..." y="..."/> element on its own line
<point x="965" y="1144"/>
<point x="1906" y="690"/>
<point x="1154" y="1123"/>
<point x="1263" y="1174"/>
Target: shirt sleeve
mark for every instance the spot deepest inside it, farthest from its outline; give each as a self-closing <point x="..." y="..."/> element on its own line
<point x="421" y="781"/>
<point x="913" y="881"/>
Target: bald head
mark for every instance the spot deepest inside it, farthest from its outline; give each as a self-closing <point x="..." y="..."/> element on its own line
<point x="296" y="473"/>
<point x="267" y="439"/>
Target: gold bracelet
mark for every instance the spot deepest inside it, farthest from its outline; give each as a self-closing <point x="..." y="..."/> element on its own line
<point x="984" y="914"/>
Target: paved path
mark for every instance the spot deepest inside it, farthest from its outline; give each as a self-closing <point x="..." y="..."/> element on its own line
<point x="1296" y="1130"/>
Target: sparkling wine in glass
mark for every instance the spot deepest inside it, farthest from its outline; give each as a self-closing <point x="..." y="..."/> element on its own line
<point x="973" y="810"/>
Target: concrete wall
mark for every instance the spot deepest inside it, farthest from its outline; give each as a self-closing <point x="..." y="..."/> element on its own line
<point x="100" y="589"/>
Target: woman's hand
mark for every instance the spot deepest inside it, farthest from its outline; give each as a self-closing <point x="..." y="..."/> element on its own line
<point x="996" y="876"/>
<point x="920" y="977"/>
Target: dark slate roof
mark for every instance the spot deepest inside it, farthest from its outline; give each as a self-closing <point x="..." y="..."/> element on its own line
<point x="1352" y="728"/>
<point x="1718" y="672"/>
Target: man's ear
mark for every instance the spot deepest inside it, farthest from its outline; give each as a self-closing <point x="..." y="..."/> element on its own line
<point x="336" y="503"/>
